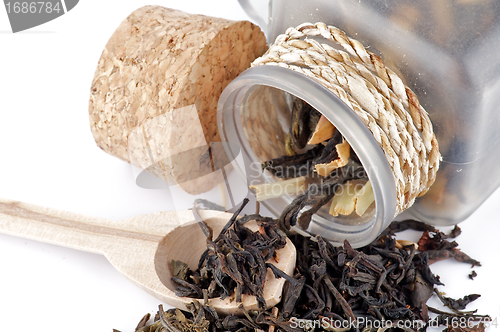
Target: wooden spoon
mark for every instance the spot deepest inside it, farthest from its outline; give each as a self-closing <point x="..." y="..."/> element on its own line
<point x="142" y="247"/>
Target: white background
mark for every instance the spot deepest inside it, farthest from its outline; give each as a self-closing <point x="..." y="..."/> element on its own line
<point x="48" y="157"/>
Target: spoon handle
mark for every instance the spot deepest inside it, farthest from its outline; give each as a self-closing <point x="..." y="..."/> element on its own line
<point x="71" y="229"/>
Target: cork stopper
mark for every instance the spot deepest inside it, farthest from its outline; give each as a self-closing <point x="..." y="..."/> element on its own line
<point x="154" y="95"/>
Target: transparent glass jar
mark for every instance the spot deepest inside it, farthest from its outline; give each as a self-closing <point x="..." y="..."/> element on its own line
<point x="254" y="117"/>
<point x="447" y="54"/>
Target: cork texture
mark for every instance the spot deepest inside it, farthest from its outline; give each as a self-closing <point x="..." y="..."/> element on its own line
<point x="155" y="90"/>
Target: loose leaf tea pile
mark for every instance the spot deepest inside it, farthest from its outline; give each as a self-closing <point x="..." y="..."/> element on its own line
<point x="236" y="259"/>
<point x="333" y="288"/>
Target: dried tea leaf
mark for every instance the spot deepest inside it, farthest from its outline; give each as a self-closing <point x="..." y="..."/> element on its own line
<point x="459" y="304"/>
<point x="457" y="254"/>
<point x="421" y="292"/>
<point x="456" y="231"/>
<point x="291" y="294"/>
<point x="343" y="152"/>
<point x="180" y="269"/>
<point x="460" y="256"/>
<point x="142" y="323"/>
<point x="289" y="149"/>
<point x="403" y="225"/>
<point x="294" y="186"/>
<point x="324" y="130"/>
<point x="304" y="120"/>
<point x="423" y="265"/>
<point x="293" y="166"/>
<point x="427" y="242"/>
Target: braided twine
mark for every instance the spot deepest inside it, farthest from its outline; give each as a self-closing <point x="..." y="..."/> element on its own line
<point x="378" y="96"/>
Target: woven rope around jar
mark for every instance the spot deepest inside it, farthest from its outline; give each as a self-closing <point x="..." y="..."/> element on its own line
<point x="377" y="95"/>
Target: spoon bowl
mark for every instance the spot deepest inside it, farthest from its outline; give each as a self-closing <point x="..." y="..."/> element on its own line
<point x="173" y="247"/>
<point x="142" y="247"/>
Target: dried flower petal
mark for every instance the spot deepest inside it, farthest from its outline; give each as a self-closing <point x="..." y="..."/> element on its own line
<point x="324" y="130"/>
<point x="344" y="201"/>
<point x="400" y="244"/>
<point x="364" y="198"/>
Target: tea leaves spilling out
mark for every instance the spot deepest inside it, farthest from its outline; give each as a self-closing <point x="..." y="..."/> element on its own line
<point x="332" y="289"/>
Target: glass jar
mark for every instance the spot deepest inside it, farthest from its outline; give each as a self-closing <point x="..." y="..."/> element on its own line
<point x="447" y="54"/>
<point x="254" y="115"/>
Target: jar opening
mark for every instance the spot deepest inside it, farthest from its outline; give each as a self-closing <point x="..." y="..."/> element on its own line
<point x="254" y="112"/>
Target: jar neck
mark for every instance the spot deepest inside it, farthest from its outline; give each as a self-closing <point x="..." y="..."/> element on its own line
<point x="235" y="107"/>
